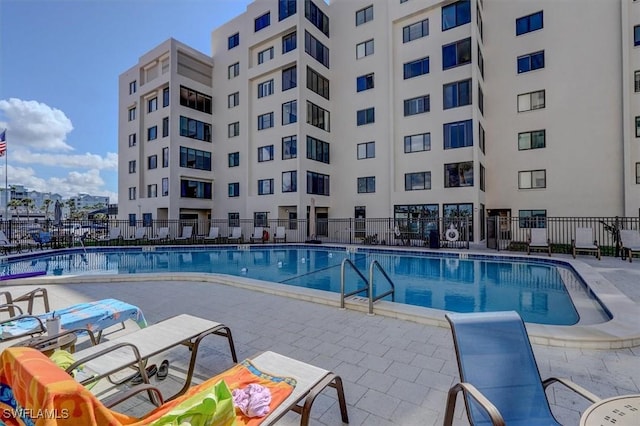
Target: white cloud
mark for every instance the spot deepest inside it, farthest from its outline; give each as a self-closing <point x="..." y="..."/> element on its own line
<point x="36" y="125"/>
<point x="87" y="160"/>
<point x="72" y="184"/>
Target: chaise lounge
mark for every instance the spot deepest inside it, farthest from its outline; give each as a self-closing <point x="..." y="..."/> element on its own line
<point x="538" y="240"/>
<point x="630" y="242"/>
<point x="584" y="242"/>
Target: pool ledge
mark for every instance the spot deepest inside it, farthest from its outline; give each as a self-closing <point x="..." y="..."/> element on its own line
<point x="622" y="331"/>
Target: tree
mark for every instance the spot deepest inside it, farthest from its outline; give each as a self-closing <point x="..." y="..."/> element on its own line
<point x="28" y="204"/>
<point x="14" y="204"/>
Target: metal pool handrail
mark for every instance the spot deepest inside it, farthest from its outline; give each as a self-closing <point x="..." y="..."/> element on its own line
<point x="390" y="292"/>
<point x="342" y="271"/>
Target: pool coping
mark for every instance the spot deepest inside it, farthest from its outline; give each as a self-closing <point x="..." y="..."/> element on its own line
<point x="621" y="331"/>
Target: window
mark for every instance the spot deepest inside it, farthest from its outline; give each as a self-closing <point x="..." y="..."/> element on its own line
<point x="456" y="54"/>
<point x="234" y="70"/>
<point x="479" y="21"/>
<point x="233" y="219"/>
<point x="265" y="88"/>
<point x="415" y="31"/>
<point x="286" y="8"/>
<point x="366" y="150"/>
<point x="364" y="15"/>
<point x="416" y="68"/>
<point x="480" y="99"/>
<point x="364" y="82"/>
<point x="317" y="183"/>
<point x="289" y="78"/>
<point x="132" y="219"/>
<point x="483" y="180"/>
<point x="233" y="100"/>
<point x="265" y="55"/>
<point x="132" y="114"/>
<point x="234" y="159"/>
<point x="637" y="173"/>
<point x="316" y="17"/>
<point x="195" y="189"/>
<point x="530" y="62"/>
<point x="132" y="193"/>
<point x="531" y="101"/>
<point x="531" y="140"/>
<point x="195" y="159"/>
<point x="234" y="189"/>
<point x="152" y="162"/>
<point x="265" y="121"/>
<point x="260" y="218"/>
<point x="315" y="49"/>
<point x="165" y="127"/>
<point x="366" y="116"/>
<point x="317" y="83"/>
<point x="195" y="100"/>
<point x="317" y="150"/>
<point x="265" y="153"/>
<point x="152" y="190"/>
<point x="480" y="62"/>
<point x="265" y="186"/>
<point x="195" y="129"/>
<point x="456" y="14"/>
<point x="290" y="181"/>
<point x="233" y="41"/>
<point x="637" y="127"/>
<point x="458" y="134"/>
<point x="289" y="112"/>
<point x="262" y="21"/>
<point x="458" y="174"/>
<point x="366" y="184"/>
<point x="532" y="218"/>
<point x="233" y="129"/>
<point x="636" y="81"/>
<point x="132" y="166"/>
<point x="289" y="42"/>
<point x="531" y="179"/>
<point x="165" y="157"/>
<point x="289" y="147"/>
<point x="165" y="97"/>
<point x="132" y="139"/>
<point x="456" y="94"/>
<point x="364" y="49"/>
<point x="152" y="105"/>
<point x="318" y="116"/>
<point x="529" y="23"/>
<point x="165" y="187"/>
<point x="417" y="143"/>
<point x="152" y="133"/>
<point x="481" y="137"/>
<point x="417" y="105"/>
<point x="133" y="87"/>
<point x="417" y="181"/>
<point x="458" y="215"/>
<point x="636" y="35"/>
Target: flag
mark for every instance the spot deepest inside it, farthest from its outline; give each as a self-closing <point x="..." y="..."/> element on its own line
<point x="3" y="143"/>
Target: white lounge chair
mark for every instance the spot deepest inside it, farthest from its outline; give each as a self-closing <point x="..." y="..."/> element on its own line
<point x="187" y="232"/>
<point x="163" y="234"/>
<point x="257" y="236"/>
<point x="280" y="235"/>
<point x="115" y="234"/>
<point x="139" y="235"/>
<point x="236" y="235"/>
<point x="538" y="241"/>
<point x="630" y="241"/>
<point x="585" y="242"/>
<point x="214" y="235"/>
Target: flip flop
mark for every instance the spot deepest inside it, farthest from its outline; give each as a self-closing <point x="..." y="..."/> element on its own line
<point x="151" y="370"/>
<point x="163" y="370"/>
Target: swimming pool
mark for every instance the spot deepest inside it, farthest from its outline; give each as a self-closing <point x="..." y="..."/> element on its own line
<point x="539" y="290"/>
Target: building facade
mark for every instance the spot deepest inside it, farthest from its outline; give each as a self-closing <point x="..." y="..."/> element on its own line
<point x="395" y="108"/>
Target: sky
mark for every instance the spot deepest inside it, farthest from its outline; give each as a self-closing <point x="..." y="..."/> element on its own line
<point x="59" y="67"/>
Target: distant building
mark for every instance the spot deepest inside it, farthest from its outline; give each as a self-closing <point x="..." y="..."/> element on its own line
<point x="379" y="108"/>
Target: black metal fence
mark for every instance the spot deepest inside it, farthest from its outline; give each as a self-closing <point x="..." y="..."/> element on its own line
<point x="502" y="233"/>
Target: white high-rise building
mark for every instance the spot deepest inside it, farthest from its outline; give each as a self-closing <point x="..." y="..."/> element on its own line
<point x="391" y="108"/>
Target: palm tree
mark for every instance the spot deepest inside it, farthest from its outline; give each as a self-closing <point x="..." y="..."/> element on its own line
<point x="28" y="204"/>
<point x="14" y="204"/>
<point x="46" y="204"/>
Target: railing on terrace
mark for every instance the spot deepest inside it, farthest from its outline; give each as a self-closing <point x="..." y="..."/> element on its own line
<point x="450" y="232"/>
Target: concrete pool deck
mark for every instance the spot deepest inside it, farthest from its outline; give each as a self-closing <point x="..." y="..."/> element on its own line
<point x="396" y="372"/>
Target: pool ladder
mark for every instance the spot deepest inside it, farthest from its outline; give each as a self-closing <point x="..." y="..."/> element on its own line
<point x="369" y="283"/>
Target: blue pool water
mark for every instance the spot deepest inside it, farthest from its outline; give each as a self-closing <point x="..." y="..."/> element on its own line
<point x="535" y="289"/>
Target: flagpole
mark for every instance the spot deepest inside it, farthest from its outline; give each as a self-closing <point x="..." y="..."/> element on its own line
<point x="6" y="177"/>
